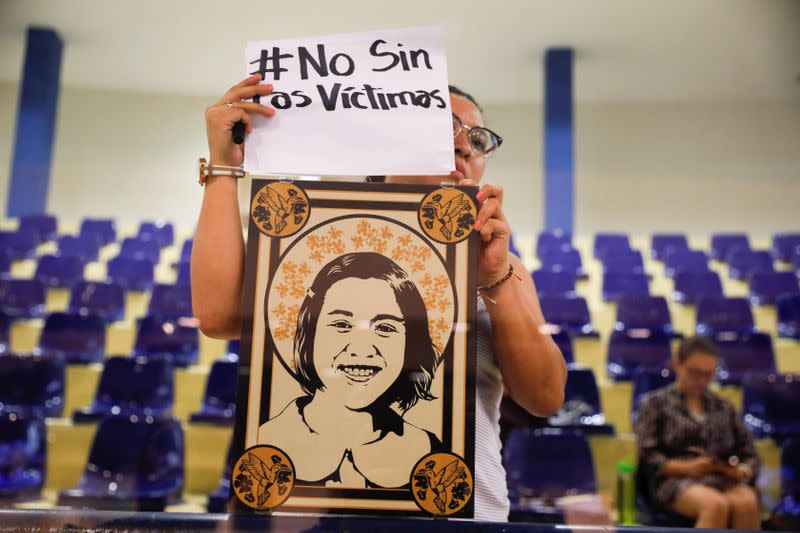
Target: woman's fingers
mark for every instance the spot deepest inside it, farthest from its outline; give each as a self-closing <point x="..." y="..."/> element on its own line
<point x="490" y="191"/>
<point x="491" y="208"/>
<point x="245" y="93"/>
<point x="494" y="228"/>
<point x="252" y="80"/>
<point x="252" y="107"/>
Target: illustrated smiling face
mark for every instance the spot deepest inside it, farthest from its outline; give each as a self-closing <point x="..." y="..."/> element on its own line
<point x="360" y="341"/>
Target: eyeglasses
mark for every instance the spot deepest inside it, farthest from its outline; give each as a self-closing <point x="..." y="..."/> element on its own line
<point x="483" y="141"/>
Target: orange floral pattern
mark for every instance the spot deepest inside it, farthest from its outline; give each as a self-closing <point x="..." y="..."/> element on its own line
<point x="294" y="277"/>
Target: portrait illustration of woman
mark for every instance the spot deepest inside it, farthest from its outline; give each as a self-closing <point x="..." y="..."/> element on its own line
<point x="363" y="356"/>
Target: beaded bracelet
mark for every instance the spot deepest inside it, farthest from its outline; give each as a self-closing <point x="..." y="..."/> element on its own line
<point x="487" y="288"/>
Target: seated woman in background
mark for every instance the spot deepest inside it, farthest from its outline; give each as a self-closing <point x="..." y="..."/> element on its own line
<point x="695" y="452"/>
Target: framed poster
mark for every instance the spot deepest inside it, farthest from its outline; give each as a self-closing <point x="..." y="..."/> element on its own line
<point x="356" y="388"/>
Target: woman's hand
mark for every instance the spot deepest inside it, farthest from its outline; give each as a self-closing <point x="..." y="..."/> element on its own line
<point x="220" y="119"/>
<point x="495" y="233"/>
<point x="699" y="467"/>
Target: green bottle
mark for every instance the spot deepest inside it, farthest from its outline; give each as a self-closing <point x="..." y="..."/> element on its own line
<point x="626" y="493"/>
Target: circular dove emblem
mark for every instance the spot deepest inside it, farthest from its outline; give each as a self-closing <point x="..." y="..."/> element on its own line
<point x="441" y="483"/>
<point x="263" y="477"/>
<point x="447" y="215"/>
<point x="280" y="209"/>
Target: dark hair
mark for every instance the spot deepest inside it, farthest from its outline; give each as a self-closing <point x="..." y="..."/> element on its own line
<point x="693" y="345"/>
<point x="454" y="90"/>
<point x="420" y="358"/>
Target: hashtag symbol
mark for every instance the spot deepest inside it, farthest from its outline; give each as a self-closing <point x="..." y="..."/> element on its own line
<point x="270" y="63"/>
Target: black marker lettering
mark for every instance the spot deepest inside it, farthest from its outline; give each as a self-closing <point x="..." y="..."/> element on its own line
<point x="306" y="100"/>
<point x="373" y="50"/>
<point x="320" y="65"/>
<point x="351" y="66"/>
<point x="275" y="67"/>
<point x="329" y="100"/>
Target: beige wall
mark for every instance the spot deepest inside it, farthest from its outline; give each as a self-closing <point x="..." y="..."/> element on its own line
<point x="695" y="167"/>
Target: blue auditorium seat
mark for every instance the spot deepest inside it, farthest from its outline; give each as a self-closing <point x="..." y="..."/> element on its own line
<point x="645" y="380"/>
<point x="744" y="263"/>
<point x="232" y="350"/>
<point x="550" y="283"/>
<point x="568" y="313"/>
<point x="161" y="232"/>
<point x="784" y="245"/>
<point x="616" y="285"/>
<point x="796" y="261"/>
<point x="135" y="464"/>
<point x="23" y="457"/>
<point x="563" y="260"/>
<point x="5" y="332"/>
<point x="691" y="287"/>
<point x="771" y="405"/>
<point x="563" y="340"/>
<point x="542" y="465"/>
<point x="59" y="271"/>
<point x="159" y="337"/>
<point x="219" y="400"/>
<point x="136" y="248"/>
<point x="218" y="499"/>
<point x="661" y="242"/>
<point x="45" y="226"/>
<point x="624" y="262"/>
<point x="104" y="299"/>
<point x="685" y="261"/>
<point x="786" y="514"/>
<point x="723" y="243"/>
<point x="171" y="301"/>
<point x="740" y="354"/>
<point x="18" y="245"/>
<point x="767" y="287"/>
<point x="184" y="273"/>
<point x="131" y="274"/>
<point x="131" y="386"/>
<point x="581" y="409"/>
<point x="627" y="352"/>
<point x="789" y="316"/>
<point x="553" y="241"/>
<point x="5" y="264"/>
<point x="724" y="315"/>
<point x="80" y="339"/>
<point x="649" y="313"/>
<point x="186" y="250"/>
<point x="32" y="385"/>
<point x="102" y="231"/>
<point x="22" y="298"/>
<point x="82" y="247"/>
<point x="606" y="244"/>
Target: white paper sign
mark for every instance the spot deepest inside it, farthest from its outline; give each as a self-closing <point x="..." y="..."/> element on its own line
<point x="372" y="103"/>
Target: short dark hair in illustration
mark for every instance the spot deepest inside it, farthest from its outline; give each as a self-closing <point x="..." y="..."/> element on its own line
<point x="420" y="358"/>
<point x="693" y="345"/>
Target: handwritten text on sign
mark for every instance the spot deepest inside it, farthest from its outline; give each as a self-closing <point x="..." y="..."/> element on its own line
<point x="354" y="104"/>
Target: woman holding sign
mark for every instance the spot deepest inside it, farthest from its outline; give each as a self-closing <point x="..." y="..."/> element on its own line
<point x="514" y="350"/>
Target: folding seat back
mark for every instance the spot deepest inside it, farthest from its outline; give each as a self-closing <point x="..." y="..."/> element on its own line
<point x="104" y="299"/>
<point x="552" y="241"/>
<point x="20" y="244"/>
<point x="691" y="287"/>
<point x="784" y="245"/>
<point x="563" y="340"/>
<point x="744" y="263"/>
<point x="83" y="247"/>
<point x="59" y="271"/>
<point x="167" y="337"/>
<point x="616" y="285"/>
<point x="629" y="261"/>
<point x="563" y="260"/>
<point x="136" y="248"/>
<point x="646" y="380"/>
<point x="724" y="315"/>
<point x="102" y="231"/>
<point x="32" y="386"/>
<point x="78" y="338"/>
<point x="650" y="313"/>
<point x="45" y="226"/>
<point x="161" y="232"/>
<point x="739" y="355"/>
<point x="660" y="243"/>
<point x="131" y="274"/>
<point x="789" y="316"/>
<point x="23" y="456"/>
<point x="606" y="244"/>
<point x="22" y="298"/>
<point x="685" y="261"/>
<point x="723" y="243"/>
<point x="568" y="313"/>
<point x="626" y="353"/>
<point x="219" y="400"/>
<point x="171" y="301"/>
<point x="549" y="283"/>
<point x="767" y="287"/>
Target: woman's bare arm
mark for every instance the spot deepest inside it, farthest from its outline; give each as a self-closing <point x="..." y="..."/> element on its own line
<point x="217" y="264"/>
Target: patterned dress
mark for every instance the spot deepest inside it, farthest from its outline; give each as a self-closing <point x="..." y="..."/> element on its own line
<point x="667" y="430"/>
